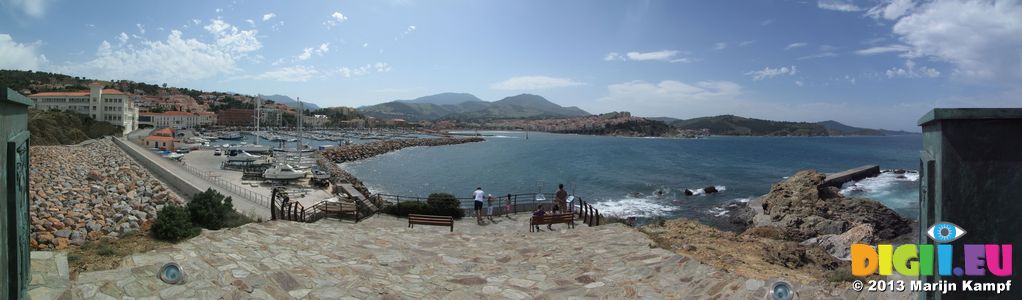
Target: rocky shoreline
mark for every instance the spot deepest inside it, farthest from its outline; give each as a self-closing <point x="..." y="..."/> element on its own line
<point x="89" y="192"/>
<point x="800" y="229"/>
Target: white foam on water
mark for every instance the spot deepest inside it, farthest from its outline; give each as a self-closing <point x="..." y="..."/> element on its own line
<point x="878" y="184"/>
<point x="722" y="210"/>
<point x="699" y="191"/>
<point x="635" y="207"/>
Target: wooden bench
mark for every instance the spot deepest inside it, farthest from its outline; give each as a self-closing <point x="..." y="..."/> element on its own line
<point x="567" y="218"/>
<point x="430" y="220"/>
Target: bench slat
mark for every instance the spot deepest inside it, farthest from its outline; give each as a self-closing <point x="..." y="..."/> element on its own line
<point x="414" y="219"/>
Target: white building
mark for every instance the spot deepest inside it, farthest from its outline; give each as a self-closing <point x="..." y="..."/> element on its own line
<point x="109" y="105"/>
<point x="177" y="119"/>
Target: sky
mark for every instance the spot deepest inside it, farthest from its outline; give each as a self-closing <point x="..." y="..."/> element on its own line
<point x="867" y="63"/>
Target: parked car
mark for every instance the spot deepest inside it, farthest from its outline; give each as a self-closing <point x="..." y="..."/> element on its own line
<point x="217" y="152"/>
<point x="183" y="150"/>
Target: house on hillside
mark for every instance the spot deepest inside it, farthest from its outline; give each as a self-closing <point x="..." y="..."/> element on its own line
<point x="162" y="139"/>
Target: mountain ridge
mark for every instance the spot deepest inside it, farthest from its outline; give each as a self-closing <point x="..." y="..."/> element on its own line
<point x="465" y="106"/>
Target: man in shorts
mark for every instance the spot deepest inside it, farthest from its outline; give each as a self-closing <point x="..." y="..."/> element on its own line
<point x="478" y="196"/>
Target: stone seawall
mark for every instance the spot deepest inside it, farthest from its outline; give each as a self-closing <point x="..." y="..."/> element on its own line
<point x="331" y="157"/>
<point x="88" y="192"/>
<point x="180" y="185"/>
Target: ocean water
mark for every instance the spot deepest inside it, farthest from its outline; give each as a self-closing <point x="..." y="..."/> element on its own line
<point x="622" y="175"/>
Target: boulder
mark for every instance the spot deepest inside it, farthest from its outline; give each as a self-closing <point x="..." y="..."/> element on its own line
<point x="95" y="175"/>
<point x="804" y="210"/>
<point x="839" y="245"/>
<point x="710" y="189"/>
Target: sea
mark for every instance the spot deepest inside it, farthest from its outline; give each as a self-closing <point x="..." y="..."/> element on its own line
<point x="645" y="177"/>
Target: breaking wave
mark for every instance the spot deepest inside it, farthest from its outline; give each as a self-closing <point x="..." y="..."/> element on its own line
<point x="635" y="207"/>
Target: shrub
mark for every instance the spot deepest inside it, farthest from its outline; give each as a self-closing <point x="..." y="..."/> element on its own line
<point x="173" y="224"/>
<point x="106" y="250"/>
<point x="444" y="204"/>
<point x="210" y="209"/>
<point x="440" y="204"/>
<point x="404" y="208"/>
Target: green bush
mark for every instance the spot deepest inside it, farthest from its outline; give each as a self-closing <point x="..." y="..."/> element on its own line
<point x="440" y="204"/>
<point x="444" y="204"/>
<point x="173" y="224"/>
<point x="409" y="207"/>
<point x="210" y="209"/>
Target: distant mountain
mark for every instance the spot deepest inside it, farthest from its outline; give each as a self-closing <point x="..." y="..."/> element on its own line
<point x="467" y="106"/>
<point x="667" y="120"/>
<point x="282" y="99"/>
<point x="836" y="128"/>
<point x="445" y="99"/>
<point x="735" y="125"/>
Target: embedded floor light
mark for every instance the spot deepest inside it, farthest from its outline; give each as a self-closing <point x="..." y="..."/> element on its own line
<point x="171" y="273"/>
<point x="782" y="291"/>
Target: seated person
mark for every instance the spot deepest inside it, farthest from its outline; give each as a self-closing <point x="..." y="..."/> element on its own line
<point x="539" y="212"/>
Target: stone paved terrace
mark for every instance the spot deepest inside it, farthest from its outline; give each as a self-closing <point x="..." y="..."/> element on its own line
<point x="380" y="258"/>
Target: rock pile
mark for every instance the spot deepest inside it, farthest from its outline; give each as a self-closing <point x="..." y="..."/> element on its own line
<point x="362" y="151"/>
<point x="88" y="192"/>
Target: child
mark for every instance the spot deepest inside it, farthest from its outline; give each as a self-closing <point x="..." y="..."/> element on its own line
<point x="489" y="206"/>
<point x="539" y="212"/>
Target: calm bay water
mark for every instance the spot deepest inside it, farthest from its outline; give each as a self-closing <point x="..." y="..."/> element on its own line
<point x="613" y="171"/>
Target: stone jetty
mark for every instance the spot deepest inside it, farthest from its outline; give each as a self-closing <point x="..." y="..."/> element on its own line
<point x="329" y="158"/>
<point x="362" y="151"/>
<point x="90" y="191"/>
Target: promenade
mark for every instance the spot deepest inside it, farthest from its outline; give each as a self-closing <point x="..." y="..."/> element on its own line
<point x="381" y="258"/>
<point x="188" y="181"/>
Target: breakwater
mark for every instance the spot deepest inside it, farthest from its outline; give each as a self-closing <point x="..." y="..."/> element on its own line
<point x="331" y="157"/>
<point x="88" y="192"/>
<point x="362" y="151"/>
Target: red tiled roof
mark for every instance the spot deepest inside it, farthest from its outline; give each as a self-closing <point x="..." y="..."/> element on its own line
<point x="159" y="138"/>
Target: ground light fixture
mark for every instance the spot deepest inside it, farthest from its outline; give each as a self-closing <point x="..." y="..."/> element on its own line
<point x="171" y="273"/>
<point x="782" y="291"/>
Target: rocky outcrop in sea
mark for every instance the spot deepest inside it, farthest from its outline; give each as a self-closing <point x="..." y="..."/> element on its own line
<point x="88" y="192"/>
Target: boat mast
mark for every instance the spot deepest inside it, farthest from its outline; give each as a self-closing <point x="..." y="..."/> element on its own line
<point x="301" y="108"/>
<point x="259" y="102"/>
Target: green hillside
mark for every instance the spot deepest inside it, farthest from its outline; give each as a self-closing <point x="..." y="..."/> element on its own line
<point x="735" y="125"/>
<point x="66" y="128"/>
<point x="468" y="108"/>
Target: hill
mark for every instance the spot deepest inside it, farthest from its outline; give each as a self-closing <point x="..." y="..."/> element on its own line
<point x="836" y="128"/>
<point x="445" y="99"/>
<point x="282" y="99"/>
<point x="66" y="128"/>
<point x="735" y="125"/>
<point x="467" y="107"/>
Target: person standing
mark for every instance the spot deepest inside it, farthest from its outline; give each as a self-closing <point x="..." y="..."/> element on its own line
<point x="490" y="201"/>
<point x="562" y="198"/>
<point x="478" y="197"/>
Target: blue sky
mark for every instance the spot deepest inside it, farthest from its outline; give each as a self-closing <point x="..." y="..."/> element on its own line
<point x="871" y="63"/>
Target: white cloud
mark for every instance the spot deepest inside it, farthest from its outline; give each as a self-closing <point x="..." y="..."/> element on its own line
<point x="767" y="72"/>
<point x="33" y="8"/>
<point x="838" y="5"/>
<point x="141" y="29"/>
<point x="335" y="19"/>
<point x="289" y="74"/>
<point x="176" y="59"/>
<point x="720" y="46"/>
<point x="534" y="83"/>
<point x="268" y="16"/>
<point x="818" y="55"/>
<point x="796" y="45"/>
<point x="365" y="45"/>
<point x="250" y="22"/>
<point x="408" y="30"/>
<point x="662" y="55"/>
<point x="379" y="67"/>
<point x="306" y="54"/>
<point x="196" y="21"/>
<point x="883" y="49"/>
<point x="911" y="71"/>
<point x="891" y="9"/>
<point x="746" y="43"/>
<point x="672" y="98"/>
<point x="981" y="38"/>
<point x="799" y="83"/>
<point x="18" y="56"/>
<point x="123" y="38"/>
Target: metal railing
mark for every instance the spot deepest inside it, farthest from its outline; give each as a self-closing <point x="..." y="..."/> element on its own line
<point x="246" y="193"/>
